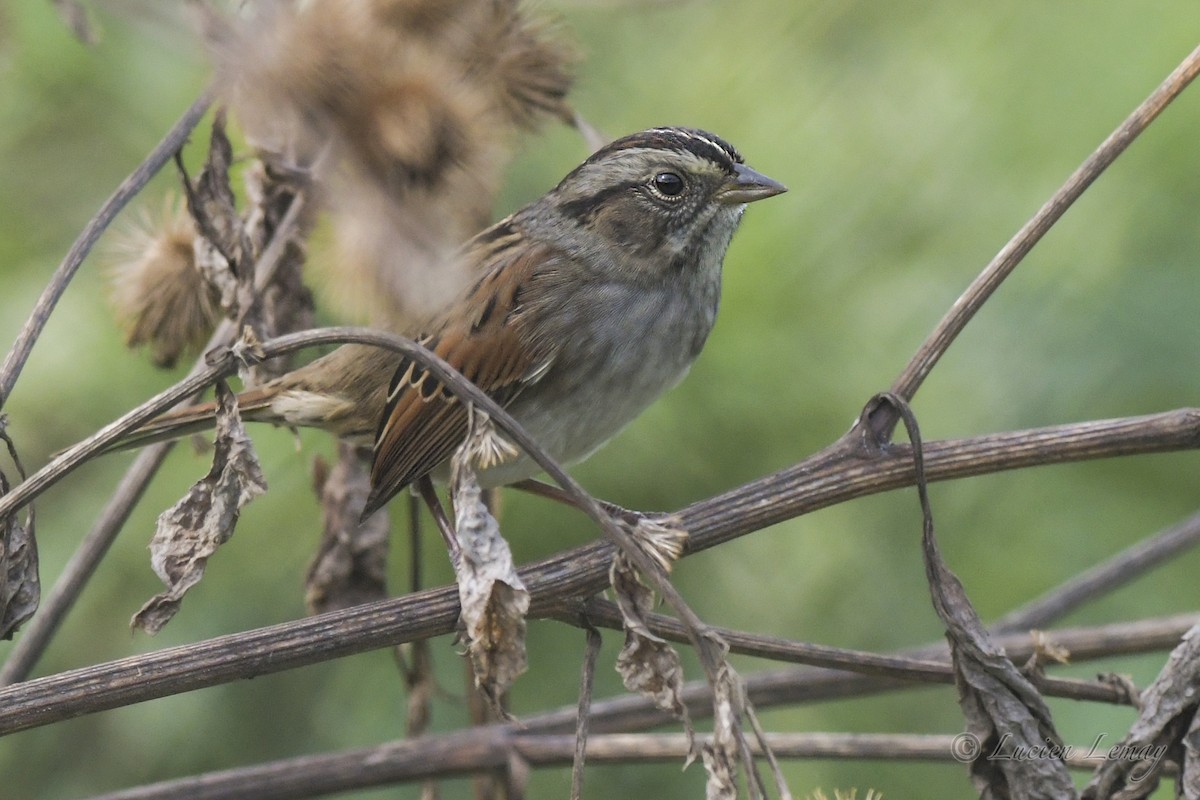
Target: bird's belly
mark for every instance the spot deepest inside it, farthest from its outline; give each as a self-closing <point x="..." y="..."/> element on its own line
<point x="576" y="408"/>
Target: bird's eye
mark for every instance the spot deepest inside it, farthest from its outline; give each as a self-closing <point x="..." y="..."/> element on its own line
<point x="668" y="184"/>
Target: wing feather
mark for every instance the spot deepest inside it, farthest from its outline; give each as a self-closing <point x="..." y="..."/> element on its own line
<point x="423" y="423"/>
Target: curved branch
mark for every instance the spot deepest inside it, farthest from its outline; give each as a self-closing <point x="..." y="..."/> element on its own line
<point x="175" y="139"/>
<point x="472" y="752"/>
<point x="883" y="418"/>
<point x="846" y="470"/>
<point x="91" y="549"/>
<point x="224" y="363"/>
<point x="832" y="476"/>
<point x="460" y="752"/>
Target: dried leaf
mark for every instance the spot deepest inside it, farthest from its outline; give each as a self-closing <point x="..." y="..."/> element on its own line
<point x="1166" y="730"/>
<point x="646" y="664"/>
<point x="220" y="245"/>
<point x="720" y="754"/>
<point x="350" y="566"/>
<point x="1189" y="778"/>
<point x="20" y="586"/>
<point x="213" y="204"/>
<point x="189" y="532"/>
<point x="1003" y="710"/>
<point x="494" y="599"/>
<point x="285" y="304"/>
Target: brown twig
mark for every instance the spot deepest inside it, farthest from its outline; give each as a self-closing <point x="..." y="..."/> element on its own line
<point x="1115" y="572"/>
<point x="605" y="614"/>
<point x="897" y="667"/>
<point x="842" y="472"/>
<point x="483" y="749"/>
<point x="431" y="613"/>
<point x="587" y="681"/>
<point x="225" y="363"/>
<point x="162" y="152"/>
<point x="36" y="636"/>
<point x="92" y="548"/>
<point x="884" y="417"/>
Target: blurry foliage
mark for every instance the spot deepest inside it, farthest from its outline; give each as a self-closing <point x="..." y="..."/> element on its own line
<point x="916" y="137"/>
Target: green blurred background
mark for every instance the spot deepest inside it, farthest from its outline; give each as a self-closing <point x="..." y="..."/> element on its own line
<point x="915" y="137"/>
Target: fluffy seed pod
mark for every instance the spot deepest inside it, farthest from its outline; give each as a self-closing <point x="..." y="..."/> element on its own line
<point x="159" y="296"/>
<point x="526" y="64"/>
<point x="410" y="109"/>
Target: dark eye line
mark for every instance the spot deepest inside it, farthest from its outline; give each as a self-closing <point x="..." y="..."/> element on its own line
<point x="586" y="208"/>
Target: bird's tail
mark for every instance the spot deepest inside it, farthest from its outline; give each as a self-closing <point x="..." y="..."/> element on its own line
<point x="253" y="404"/>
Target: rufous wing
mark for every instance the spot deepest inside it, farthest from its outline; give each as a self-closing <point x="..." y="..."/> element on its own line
<point x="485" y="338"/>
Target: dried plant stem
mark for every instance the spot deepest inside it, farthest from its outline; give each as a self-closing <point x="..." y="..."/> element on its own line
<point x="822" y="480"/>
<point x="36" y="636"/>
<point x="477" y="750"/>
<point x="160" y="155"/>
<point x="843" y="471"/>
<point x="1122" y="568"/>
<point x="484" y="749"/>
<point x="587" y="680"/>
<point x="340" y="633"/>
<point x="709" y="649"/>
<point x="606" y="614"/>
<point x="884" y="418"/>
<point x="92" y="548"/>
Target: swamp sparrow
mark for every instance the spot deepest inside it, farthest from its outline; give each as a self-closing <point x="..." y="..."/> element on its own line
<point x="586" y="305"/>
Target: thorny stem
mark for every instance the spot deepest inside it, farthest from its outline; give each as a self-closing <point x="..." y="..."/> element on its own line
<point x="883" y="418"/>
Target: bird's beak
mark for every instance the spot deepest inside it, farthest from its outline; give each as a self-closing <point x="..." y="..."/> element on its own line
<point x="746" y="186"/>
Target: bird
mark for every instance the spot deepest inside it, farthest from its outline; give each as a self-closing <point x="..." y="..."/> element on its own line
<point x="582" y="308"/>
